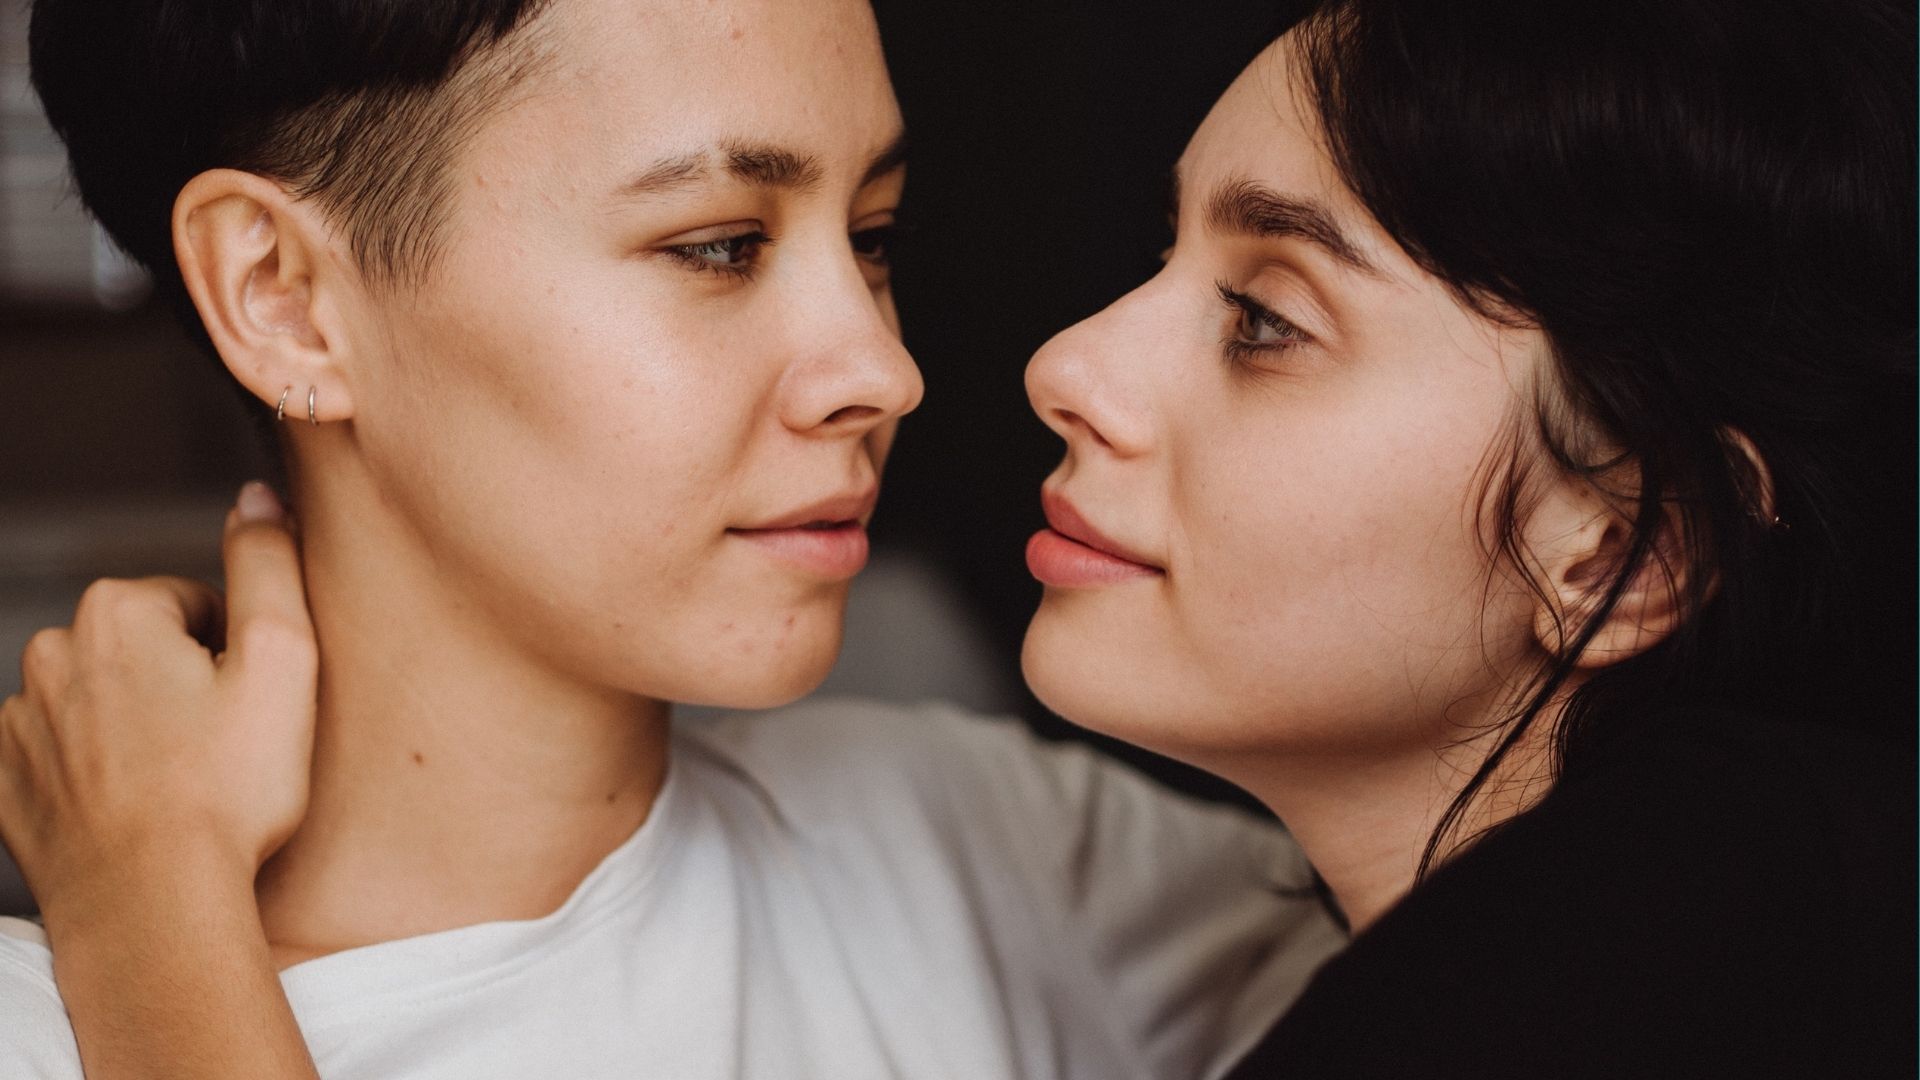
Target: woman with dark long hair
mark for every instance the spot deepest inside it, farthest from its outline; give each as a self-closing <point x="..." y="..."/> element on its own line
<point x="1508" y="480"/>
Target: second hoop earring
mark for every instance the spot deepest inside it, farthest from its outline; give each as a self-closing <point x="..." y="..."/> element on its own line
<point x="311" y="418"/>
<point x="280" y="410"/>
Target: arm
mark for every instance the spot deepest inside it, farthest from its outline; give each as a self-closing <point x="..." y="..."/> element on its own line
<point x="144" y="778"/>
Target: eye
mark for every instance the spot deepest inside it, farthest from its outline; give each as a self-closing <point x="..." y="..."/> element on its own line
<point x="876" y="244"/>
<point x="734" y="254"/>
<point x="1260" y="328"/>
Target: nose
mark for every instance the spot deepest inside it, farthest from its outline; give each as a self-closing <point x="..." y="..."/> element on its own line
<point x="1084" y="383"/>
<point x="856" y="376"/>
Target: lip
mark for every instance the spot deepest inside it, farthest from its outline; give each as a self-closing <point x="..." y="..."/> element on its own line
<point x="1071" y="553"/>
<point x="854" y="506"/>
<point x="827" y="538"/>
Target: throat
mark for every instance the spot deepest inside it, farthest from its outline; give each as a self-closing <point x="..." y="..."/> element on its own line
<point x="460" y="776"/>
<point x="379" y="862"/>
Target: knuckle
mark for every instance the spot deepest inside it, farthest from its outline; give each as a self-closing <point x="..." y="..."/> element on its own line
<point x="105" y="594"/>
<point x="112" y="607"/>
<point x="45" y="655"/>
<point x="111" y="602"/>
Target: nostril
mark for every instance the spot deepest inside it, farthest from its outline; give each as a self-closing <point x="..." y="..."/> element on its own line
<point x="853" y="413"/>
<point x="1071" y="419"/>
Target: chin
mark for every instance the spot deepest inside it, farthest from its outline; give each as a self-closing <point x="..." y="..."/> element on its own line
<point x="1073" y="677"/>
<point x="1128" y="690"/>
<point x="782" y="688"/>
<point x="778" y="664"/>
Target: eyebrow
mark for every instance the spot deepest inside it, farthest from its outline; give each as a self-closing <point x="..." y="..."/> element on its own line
<point x="758" y="164"/>
<point x="1246" y="208"/>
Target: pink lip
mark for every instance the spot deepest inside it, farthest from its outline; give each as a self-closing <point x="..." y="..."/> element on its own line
<point x="854" y="506"/>
<point x="1073" y="554"/>
<point x="828" y="538"/>
<point x="835" y="551"/>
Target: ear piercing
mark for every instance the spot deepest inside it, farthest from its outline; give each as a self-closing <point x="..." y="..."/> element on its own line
<point x="280" y="410"/>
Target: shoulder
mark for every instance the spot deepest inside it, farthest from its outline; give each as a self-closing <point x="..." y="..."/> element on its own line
<point x="1708" y="893"/>
<point x="844" y="750"/>
<point x="36" y="1039"/>
<point x="1173" y="927"/>
<point x="813" y="735"/>
<point x="840" y="755"/>
<point x="1733" y="804"/>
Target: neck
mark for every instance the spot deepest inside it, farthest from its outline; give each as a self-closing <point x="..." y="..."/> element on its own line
<point x="457" y="779"/>
<point x="1364" y="821"/>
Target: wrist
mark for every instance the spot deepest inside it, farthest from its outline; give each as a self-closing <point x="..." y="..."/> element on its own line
<point x="171" y="881"/>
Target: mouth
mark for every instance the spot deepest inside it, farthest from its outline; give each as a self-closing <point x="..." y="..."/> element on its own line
<point x="827" y="539"/>
<point x="1071" y="554"/>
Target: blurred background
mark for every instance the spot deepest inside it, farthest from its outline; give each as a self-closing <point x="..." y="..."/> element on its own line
<point x="1042" y="134"/>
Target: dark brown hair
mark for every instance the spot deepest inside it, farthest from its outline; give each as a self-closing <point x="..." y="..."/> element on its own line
<point x="1707" y="206"/>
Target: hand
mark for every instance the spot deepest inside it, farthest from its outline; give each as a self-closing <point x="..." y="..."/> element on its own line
<point x="138" y="745"/>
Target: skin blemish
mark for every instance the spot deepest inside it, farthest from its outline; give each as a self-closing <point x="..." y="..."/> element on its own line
<point x="419" y="758"/>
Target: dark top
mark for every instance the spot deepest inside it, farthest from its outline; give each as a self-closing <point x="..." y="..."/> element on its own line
<point x="1708" y="896"/>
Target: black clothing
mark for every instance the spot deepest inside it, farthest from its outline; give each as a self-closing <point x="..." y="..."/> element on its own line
<point x="1707" y="896"/>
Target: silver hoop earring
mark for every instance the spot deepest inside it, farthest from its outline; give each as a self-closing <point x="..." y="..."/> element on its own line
<point x="280" y="411"/>
<point x="311" y="418"/>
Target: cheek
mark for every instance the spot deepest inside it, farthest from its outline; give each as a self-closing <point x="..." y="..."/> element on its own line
<point x="549" y="389"/>
<point x="1334" y="569"/>
<point x="559" y="448"/>
<point x="577" y="484"/>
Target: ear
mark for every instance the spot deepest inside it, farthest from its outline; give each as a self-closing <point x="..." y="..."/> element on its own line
<point x="1580" y="537"/>
<point x="1754" y="477"/>
<point x="273" y="297"/>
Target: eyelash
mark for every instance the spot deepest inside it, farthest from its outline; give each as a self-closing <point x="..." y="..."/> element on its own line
<point x="1239" y="347"/>
<point x="753" y="243"/>
<point x="869" y="245"/>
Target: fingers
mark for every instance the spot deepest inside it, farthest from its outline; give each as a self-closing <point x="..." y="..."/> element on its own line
<point x="118" y="618"/>
<point x="195" y="608"/>
<point x="267" y="618"/>
<point x="46" y="664"/>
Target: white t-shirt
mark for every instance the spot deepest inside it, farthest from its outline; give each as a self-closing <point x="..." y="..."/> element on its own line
<point x="838" y="890"/>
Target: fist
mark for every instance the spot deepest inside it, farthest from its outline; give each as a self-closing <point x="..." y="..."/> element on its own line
<point x="165" y="726"/>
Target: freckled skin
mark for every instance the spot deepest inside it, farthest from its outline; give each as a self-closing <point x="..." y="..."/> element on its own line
<point x="1305" y="460"/>
<point x="1313" y="506"/>
<point x="571" y="419"/>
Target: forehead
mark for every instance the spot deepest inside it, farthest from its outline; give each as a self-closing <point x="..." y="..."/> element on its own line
<point x="623" y="80"/>
<point x="1264" y="129"/>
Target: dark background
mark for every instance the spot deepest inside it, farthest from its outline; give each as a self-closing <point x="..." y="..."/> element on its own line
<point x="1042" y="138"/>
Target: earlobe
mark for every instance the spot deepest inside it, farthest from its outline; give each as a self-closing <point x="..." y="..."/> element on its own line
<point x="1587" y="545"/>
<point x="255" y="263"/>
